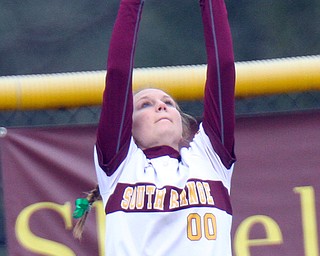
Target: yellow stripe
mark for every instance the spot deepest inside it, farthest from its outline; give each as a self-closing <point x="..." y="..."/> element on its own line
<point x="67" y="90"/>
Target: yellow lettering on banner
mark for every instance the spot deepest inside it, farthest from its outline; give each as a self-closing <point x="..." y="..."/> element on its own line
<point x="37" y="244"/>
<point x="242" y="243"/>
<point x="101" y="226"/>
<point x="309" y="220"/>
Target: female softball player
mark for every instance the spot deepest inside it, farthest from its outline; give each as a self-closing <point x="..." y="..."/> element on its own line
<point x="161" y="195"/>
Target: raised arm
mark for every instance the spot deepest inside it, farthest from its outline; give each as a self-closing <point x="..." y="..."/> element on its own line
<point x="114" y="129"/>
<point x="218" y="119"/>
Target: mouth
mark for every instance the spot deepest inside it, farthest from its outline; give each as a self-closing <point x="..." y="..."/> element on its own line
<point x="163" y="119"/>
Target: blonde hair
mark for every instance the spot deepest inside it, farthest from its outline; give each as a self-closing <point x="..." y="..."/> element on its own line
<point x="189" y="127"/>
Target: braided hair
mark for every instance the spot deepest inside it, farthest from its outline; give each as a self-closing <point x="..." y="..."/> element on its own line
<point x="92" y="196"/>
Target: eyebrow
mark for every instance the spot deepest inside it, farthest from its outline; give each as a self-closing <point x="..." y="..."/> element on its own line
<point x="143" y="98"/>
<point x="149" y="98"/>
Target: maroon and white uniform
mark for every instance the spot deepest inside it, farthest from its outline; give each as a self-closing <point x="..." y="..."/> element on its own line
<point x="160" y="201"/>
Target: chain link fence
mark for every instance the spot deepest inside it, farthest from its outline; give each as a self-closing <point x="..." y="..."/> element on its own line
<point x="293" y="102"/>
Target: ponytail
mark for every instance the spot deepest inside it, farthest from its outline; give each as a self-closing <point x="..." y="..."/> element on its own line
<point x="83" y="206"/>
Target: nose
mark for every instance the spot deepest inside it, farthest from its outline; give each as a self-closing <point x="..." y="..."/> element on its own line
<point x="161" y="106"/>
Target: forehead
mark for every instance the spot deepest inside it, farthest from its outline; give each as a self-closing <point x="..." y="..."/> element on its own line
<point x="150" y="93"/>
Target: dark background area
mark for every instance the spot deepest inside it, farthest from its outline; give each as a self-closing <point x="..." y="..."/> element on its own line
<point x="45" y="36"/>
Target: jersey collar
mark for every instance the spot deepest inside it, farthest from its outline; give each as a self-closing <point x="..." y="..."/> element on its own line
<point x="161" y="151"/>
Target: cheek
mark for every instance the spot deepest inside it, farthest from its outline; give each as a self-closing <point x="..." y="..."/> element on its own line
<point x="139" y="123"/>
<point x="181" y="126"/>
<point x="135" y="123"/>
<point x="178" y="121"/>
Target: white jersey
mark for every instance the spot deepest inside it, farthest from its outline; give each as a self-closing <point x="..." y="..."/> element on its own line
<point x="168" y="206"/>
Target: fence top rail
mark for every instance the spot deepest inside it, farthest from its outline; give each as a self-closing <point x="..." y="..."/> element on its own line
<point x="76" y="89"/>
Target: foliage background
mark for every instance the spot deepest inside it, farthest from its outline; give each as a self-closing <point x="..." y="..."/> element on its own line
<point x="45" y="36"/>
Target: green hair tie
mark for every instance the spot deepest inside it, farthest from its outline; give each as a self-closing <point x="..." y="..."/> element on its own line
<point x="82" y="206"/>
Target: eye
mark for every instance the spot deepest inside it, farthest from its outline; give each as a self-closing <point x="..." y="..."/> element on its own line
<point x="145" y="104"/>
<point x="169" y="103"/>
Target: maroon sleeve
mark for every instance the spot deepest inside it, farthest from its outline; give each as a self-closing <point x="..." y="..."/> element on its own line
<point x="114" y="128"/>
<point x="218" y="119"/>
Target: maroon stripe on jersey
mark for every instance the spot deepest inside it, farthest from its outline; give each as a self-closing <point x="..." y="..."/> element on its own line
<point x="161" y="151"/>
<point x="146" y="197"/>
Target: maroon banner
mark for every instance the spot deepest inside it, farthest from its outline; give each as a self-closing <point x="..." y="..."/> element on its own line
<point x="275" y="188"/>
<point x="276" y="185"/>
<point x="44" y="171"/>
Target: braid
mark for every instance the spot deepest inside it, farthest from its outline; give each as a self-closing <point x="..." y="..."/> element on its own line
<point x="92" y="196"/>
